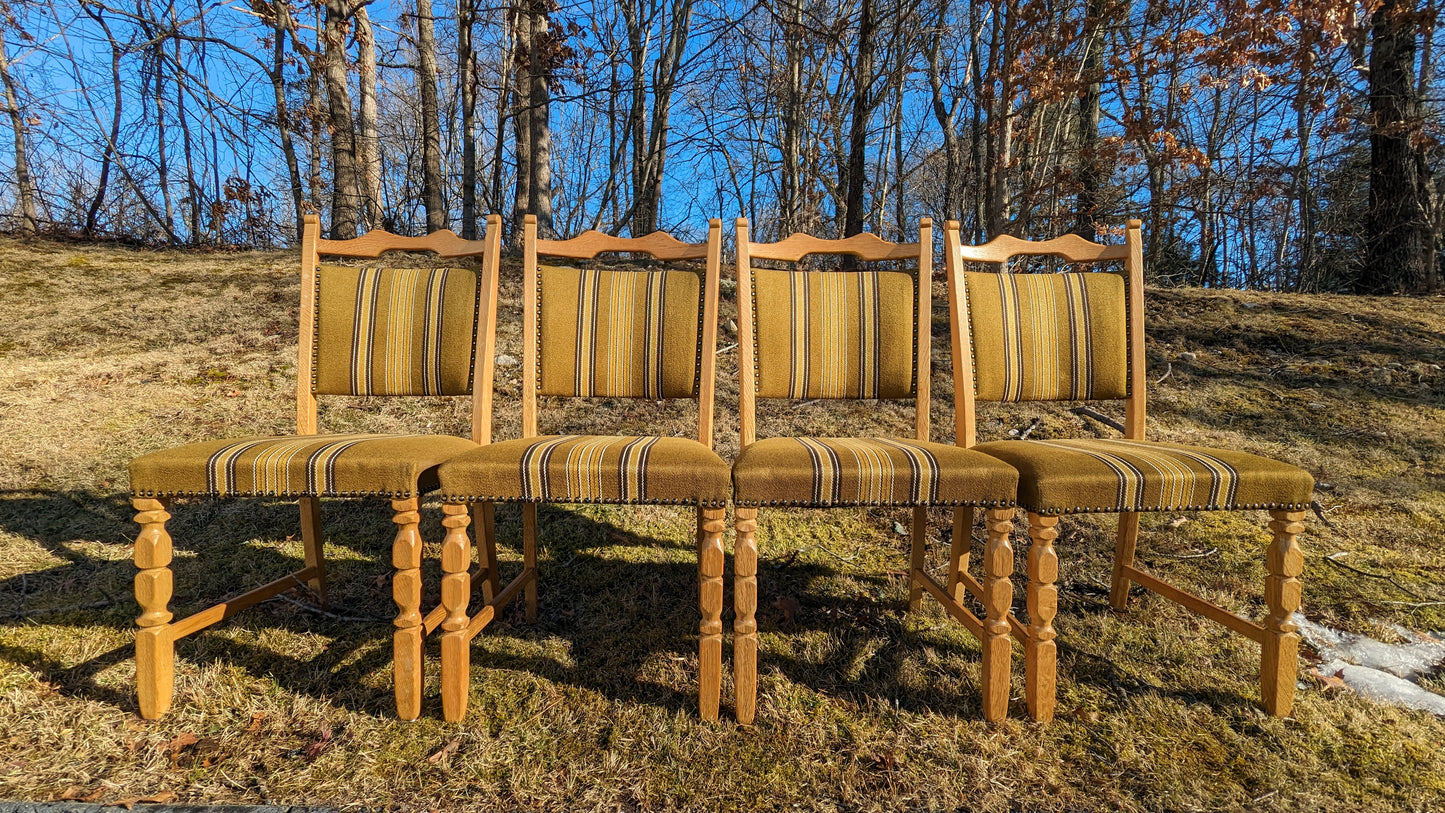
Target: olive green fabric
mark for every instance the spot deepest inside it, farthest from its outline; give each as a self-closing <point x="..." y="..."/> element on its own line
<point x="588" y="468"/>
<point x="1048" y="337"/>
<point x="394" y="466"/>
<point x="834" y="334"/>
<point x="1081" y="476"/>
<point x="621" y="334"/>
<point x="868" y="471"/>
<point x="395" y="331"/>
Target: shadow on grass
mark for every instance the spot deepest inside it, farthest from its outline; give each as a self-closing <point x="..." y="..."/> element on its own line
<point x="615" y="601"/>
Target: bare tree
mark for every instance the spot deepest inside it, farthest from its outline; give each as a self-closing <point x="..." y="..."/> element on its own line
<point x="431" y="133"/>
<point x="29" y="216"/>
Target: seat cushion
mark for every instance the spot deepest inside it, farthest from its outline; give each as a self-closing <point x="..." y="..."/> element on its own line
<point x="589" y="468"/>
<point x="395" y="466"/>
<point x="1081" y="476"/>
<point x="868" y="471"/>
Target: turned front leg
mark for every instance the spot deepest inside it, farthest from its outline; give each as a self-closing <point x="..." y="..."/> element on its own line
<point x="998" y="567"/>
<point x="406" y="641"/>
<point x="1282" y="591"/>
<point x="710" y="601"/>
<point x="1040" y="651"/>
<point x="456" y="592"/>
<point x="154" y="648"/>
<point x="745" y="606"/>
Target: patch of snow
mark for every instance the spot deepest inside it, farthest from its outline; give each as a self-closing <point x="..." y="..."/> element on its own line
<point x="1384" y="687"/>
<point x="1408" y="661"/>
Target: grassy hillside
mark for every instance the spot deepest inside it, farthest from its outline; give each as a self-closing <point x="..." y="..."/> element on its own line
<point x="109" y="353"/>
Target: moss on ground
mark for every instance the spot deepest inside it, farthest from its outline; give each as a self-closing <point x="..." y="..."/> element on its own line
<point x="107" y="353"/>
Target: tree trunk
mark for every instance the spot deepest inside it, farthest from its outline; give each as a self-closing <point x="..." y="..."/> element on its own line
<point x="1091" y="174"/>
<point x="522" y="114"/>
<point x="281" y="25"/>
<point x="344" y="191"/>
<point x="790" y="203"/>
<point x="436" y="209"/>
<point x="368" y="142"/>
<point x="1398" y="243"/>
<point x="858" y="126"/>
<point x="29" y="215"/>
<point x="467" y="90"/>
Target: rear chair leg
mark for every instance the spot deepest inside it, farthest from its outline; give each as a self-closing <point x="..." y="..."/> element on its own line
<point x="998" y="566"/>
<point x="154" y="648"/>
<point x="1040" y="651"/>
<point x="456" y="592"/>
<point x="1285" y="562"/>
<point x="406" y="641"/>
<point x="917" y="561"/>
<point x="710" y="601"/>
<point x="1123" y="557"/>
<point x="484" y="517"/>
<point x="529" y="557"/>
<point x="745" y="606"/>
<point x="959" y="550"/>
<point x="311" y="542"/>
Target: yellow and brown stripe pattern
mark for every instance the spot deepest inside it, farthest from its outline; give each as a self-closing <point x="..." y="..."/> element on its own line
<point x="834" y="334"/>
<point x="868" y="471"/>
<point x="395" y="331"/>
<point x="1073" y="476"/>
<point x="619" y="334"/>
<point x="1047" y="337"/>
<point x="589" y="468"/>
<point x="298" y="465"/>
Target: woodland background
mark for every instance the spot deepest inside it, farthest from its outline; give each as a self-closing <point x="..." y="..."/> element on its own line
<point x="1274" y="144"/>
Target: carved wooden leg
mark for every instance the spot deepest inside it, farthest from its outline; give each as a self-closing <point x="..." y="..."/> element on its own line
<point x="917" y="562"/>
<point x="311" y="542"/>
<point x="710" y="601"/>
<point x="745" y="606"/>
<point x="484" y="517"/>
<point x="959" y="550"/>
<point x="456" y="592"/>
<point x="998" y="566"/>
<point x="529" y="556"/>
<point x="406" y="640"/>
<point x="1280" y="660"/>
<point x="1040" y="651"/>
<point x="155" y="667"/>
<point x="1123" y="557"/>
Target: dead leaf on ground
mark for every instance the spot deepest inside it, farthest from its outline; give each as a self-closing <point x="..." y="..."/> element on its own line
<point x="256" y="720"/>
<point x="316" y="749"/>
<point x="445" y="751"/>
<point x="154" y="799"/>
<point x="788" y="606"/>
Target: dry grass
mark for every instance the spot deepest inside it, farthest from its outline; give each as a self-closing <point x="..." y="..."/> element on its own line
<point x="107" y="353"/>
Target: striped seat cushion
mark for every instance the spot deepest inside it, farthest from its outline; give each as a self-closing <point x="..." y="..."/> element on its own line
<point x="1048" y="337"/>
<point x="394" y="331"/>
<point x="1080" y="476"/>
<point x="868" y="471"/>
<point x="394" y="466"/>
<point x="834" y="334"/>
<point x="589" y="468"/>
<point x="619" y="334"/>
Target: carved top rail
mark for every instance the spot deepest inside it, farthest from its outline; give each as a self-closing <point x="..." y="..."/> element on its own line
<point x="1070" y="247"/>
<point x="864" y="246"/>
<point x="372" y="244"/>
<point x="589" y="244"/>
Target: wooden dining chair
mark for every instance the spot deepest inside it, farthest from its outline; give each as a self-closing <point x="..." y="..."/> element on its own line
<point x="374" y="331"/>
<point x="591" y="332"/>
<point x="857" y="332"/>
<point x="1078" y="336"/>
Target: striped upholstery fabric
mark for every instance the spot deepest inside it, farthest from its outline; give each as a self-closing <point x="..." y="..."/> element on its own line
<point x="589" y="468"/>
<point x="621" y="334"/>
<point x="395" y="331"/>
<point x="868" y="471"/>
<point x="298" y="465"/>
<point x="834" y="334"/>
<point x="1048" y="337"/>
<point x="1081" y="476"/>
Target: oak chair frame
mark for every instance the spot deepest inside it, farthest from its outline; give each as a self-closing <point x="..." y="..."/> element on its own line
<point x="996" y="590"/>
<point x="1277" y="635"/>
<point x="458" y="628"/>
<point x="157" y="631"/>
